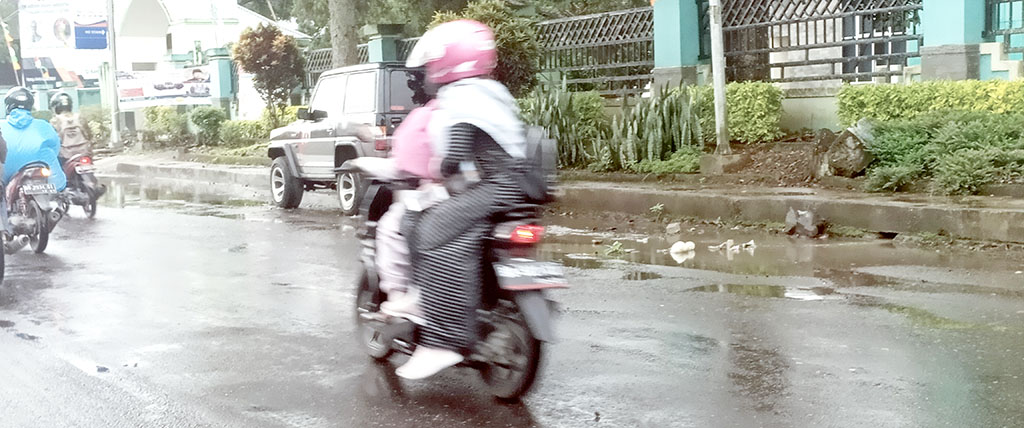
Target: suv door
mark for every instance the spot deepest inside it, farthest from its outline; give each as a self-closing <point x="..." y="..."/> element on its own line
<point x="360" y="111"/>
<point x="314" y="150"/>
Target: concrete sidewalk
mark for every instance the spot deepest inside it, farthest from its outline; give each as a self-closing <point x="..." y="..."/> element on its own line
<point x="978" y="217"/>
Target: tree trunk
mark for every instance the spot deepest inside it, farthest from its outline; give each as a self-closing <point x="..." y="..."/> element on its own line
<point x="345" y="31"/>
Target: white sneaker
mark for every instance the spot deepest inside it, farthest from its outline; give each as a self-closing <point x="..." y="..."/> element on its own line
<point x="404" y="305"/>
<point x="426" y="362"/>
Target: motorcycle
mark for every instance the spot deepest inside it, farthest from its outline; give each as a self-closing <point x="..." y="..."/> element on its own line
<point x="34" y="207"/>
<point x="83" y="189"/>
<point x="515" y="315"/>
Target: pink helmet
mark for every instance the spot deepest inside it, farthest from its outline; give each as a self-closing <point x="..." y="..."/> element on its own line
<point x="455" y="50"/>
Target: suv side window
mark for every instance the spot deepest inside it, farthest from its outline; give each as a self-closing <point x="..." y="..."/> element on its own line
<point x="327" y="95"/>
<point x="361" y="93"/>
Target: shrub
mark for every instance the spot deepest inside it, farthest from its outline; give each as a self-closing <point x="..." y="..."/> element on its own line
<point x="961" y="150"/>
<point x="165" y="124"/>
<point x="754" y="110"/>
<point x="285" y="116"/>
<point x="516" y="39"/>
<point x="659" y="126"/>
<point x="576" y="120"/>
<point x="208" y="119"/>
<point x="891" y="178"/>
<point x="98" y="120"/>
<point x="240" y="133"/>
<point x="889" y="102"/>
<point x="965" y="172"/>
<point x="686" y="160"/>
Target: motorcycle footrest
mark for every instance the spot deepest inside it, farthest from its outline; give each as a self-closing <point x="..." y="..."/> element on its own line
<point x="398" y="329"/>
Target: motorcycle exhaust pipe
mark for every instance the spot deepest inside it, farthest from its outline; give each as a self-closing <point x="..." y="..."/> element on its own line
<point x="15" y="245"/>
<point x="55" y="216"/>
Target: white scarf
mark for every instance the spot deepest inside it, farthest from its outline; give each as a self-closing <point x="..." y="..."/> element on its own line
<point x="483" y="103"/>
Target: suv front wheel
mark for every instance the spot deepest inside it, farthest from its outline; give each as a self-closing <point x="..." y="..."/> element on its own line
<point x="350" y="192"/>
<point x="285" y="188"/>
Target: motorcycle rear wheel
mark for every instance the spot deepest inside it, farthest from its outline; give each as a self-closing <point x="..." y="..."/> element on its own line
<point x="90" y="207"/>
<point x="511" y="373"/>
<point x="369" y="338"/>
<point x="41" y="236"/>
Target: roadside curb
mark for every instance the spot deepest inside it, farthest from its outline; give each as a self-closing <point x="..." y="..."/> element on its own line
<point x="248" y="176"/>
<point x="967" y="220"/>
<point x="876" y="214"/>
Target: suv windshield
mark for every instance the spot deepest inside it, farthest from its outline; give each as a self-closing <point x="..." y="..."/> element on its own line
<point x="407" y="90"/>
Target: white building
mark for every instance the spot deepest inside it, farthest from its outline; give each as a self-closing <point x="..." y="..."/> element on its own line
<point x="150" y="31"/>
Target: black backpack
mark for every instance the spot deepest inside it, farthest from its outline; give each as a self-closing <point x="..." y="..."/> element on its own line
<point x="538" y="174"/>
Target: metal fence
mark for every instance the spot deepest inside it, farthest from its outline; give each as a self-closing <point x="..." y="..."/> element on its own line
<point x="814" y="40"/>
<point x="611" y="52"/>
<point x="1004" y="19"/>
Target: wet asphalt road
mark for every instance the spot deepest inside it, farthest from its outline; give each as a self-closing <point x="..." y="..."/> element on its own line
<point x="224" y="312"/>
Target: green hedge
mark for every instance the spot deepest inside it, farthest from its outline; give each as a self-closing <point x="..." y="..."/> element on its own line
<point x="959" y="151"/>
<point x="754" y="110"/>
<point x="889" y="102"/>
<point x="240" y="133"/>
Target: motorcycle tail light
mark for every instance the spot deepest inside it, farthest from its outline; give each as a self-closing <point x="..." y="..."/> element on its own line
<point x="86" y="160"/>
<point x="380" y="139"/>
<point x="45" y="172"/>
<point x="527" y="234"/>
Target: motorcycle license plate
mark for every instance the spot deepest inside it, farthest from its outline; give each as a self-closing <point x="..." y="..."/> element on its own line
<point x="39" y="188"/>
<point x="526" y="274"/>
<point x="85" y="169"/>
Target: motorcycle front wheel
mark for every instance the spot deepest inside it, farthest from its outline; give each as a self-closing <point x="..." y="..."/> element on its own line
<point x="513" y="370"/>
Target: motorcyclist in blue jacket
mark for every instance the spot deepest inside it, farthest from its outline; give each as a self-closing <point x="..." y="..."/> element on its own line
<point x="29" y="139"/>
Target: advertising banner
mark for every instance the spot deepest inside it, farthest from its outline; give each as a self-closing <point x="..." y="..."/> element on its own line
<point x="59" y="40"/>
<point x="140" y="89"/>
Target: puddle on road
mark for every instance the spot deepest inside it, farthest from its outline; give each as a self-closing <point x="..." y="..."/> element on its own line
<point x="27" y="337"/>
<point x="199" y="199"/>
<point x="640" y="276"/>
<point x="774" y="291"/>
<point x="843" y="261"/>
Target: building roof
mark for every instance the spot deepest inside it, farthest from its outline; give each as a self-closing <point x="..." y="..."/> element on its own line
<point x="206" y="11"/>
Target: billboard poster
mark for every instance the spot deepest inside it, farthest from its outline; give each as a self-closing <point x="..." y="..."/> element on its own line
<point x="59" y="40"/>
<point x="191" y="86"/>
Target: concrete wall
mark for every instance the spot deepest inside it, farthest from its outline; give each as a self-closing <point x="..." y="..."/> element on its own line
<point x="814" y="112"/>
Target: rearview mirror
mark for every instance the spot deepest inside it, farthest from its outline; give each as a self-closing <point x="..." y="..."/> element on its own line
<point x="318" y="114"/>
<point x="302" y="113"/>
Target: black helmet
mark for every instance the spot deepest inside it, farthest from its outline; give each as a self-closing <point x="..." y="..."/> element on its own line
<point x="19" y="97"/>
<point x="61" y="102"/>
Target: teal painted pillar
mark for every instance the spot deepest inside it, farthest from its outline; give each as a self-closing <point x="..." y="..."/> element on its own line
<point x="221" y="79"/>
<point x="676" y="42"/>
<point x="383" y="43"/>
<point x="952" y="35"/>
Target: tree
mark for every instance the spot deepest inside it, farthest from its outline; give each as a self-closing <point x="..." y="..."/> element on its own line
<point x="278" y="10"/>
<point x="516" y="37"/>
<point x="345" y="30"/>
<point x="275" y="62"/>
<point x="313" y="16"/>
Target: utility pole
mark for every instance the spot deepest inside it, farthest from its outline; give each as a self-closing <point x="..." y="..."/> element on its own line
<point x="115" y="122"/>
<point x="718" y="77"/>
